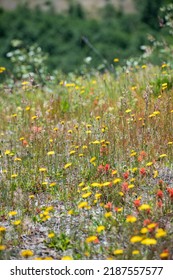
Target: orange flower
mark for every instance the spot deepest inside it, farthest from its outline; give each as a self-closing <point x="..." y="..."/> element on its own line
<point x="124" y="187"/>
<point x="137" y="203"/>
<point x="160" y="194"/>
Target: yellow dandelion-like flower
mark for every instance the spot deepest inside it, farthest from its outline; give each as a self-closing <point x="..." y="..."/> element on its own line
<point x="149" y="241"/>
<point x="85" y="195"/>
<point x="92" y="159"/>
<point x="2" y="247"/>
<point x="14" y="175"/>
<point x="2" y="229"/>
<point x="155" y="174"/>
<point x="98" y="195"/>
<point x="96" y="142"/>
<point x="116" y="59"/>
<point x="81" y="184"/>
<point x="53" y="184"/>
<point x="131" y="219"/>
<point x="105" y="184"/>
<point x="121" y="193"/>
<point x="51" y="235"/>
<point x="72" y="153"/>
<point x="163" y="155"/>
<point x="118" y="252"/>
<point x="164" y="255"/>
<point x="160" y="233"/>
<point x="67" y="258"/>
<point x="42" y="169"/>
<point x="31" y="196"/>
<point x="16" y="223"/>
<point x="149" y="163"/>
<point x="136" y="238"/>
<point x="49" y="208"/>
<point x="67" y="165"/>
<point x="144" y="207"/>
<point x="95" y="184"/>
<point x="50" y="153"/>
<point x="116" y="181"/>
<point x="152" y="225"/>
<point x="135" y="252"/>
<point x="131" y="186"/>
<point x="144" y="66"/>
<point x="91" y="239"/>
<point x="170" y="143"/>
<point x="12" y="213"/>
<point x="71" y="212"/>
<point x="108" y="214"/>
<point x="100" y="229"/>
<point x="144" y="230"/>
<point x="26" y="253"/>
<point x="82" y="204"/>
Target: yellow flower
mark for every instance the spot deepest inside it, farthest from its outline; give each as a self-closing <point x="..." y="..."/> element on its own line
<point x="26" y="253"/>
<point x="67" y="165"/>
<point x="160" y="233"/>
<point x="92" y="159"/>
<point x="70" y="212"/>
<point x="91" y="239"/>
<point x="116" y="59"/>
<point x="163" y="155"/>
<point x="53" y="184"/>
<point x="118" y="252"/>
<point x="116" y="181"/>
<point x="2" y="229"/>
<point x="82" y="204"/>
<point x="135" y="239"/>
<point x="100" y="228"/>
<point x="135" y="252"/>
<point x="149" y="163"/>
<point x="152" y="225"/>
<point x="12" y="213"/>
<point x="51" y="235"/>
<point x="14" y="175"/>
<point x="97" y="195"/>
<point x="85" y="195"/>
<point x="42" y="169"/>
<point x="128" y="110"/>
<point x="106" y="184"/>
<point x="108" y="214"/>
<point x="67" y="258"/>
<point x="95" y="184"/>
<point x="31" y="196"/>
<point x="81" y="184"/>
<point x="16" y="223"/>
<point x="131" y="219"/>
<point x="72" y="152"/>
<point x="164" y="255"/>
<point x="144" y="230"/>
<point x="155" y="175"/>
<point x="51" y="153"/>
<point x="149" y="241"/>
<point x="2" y="247"/>
<point x="144" y="207"/>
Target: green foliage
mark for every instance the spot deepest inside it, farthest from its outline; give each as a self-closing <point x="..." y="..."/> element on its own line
<point x="60" y="36"/>
<point x="59" y="242"/>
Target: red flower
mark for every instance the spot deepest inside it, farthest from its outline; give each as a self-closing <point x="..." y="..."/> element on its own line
<point x="108" y="205"/>
<point x="137" y="202"/>
<point x="160" y="204"/>
<point x="100" y="168"/>
<point x="160" y="194"/>
<point x="146" y="222"/>
<point x="124" y="187"/>
<point x="142" y="171"/>
<point x="126" y="175"/>
<point x="107" y="167"/>
<point x="170" y="191"/>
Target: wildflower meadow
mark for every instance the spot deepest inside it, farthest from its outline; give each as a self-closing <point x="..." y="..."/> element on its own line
<point x="86" y="166"/>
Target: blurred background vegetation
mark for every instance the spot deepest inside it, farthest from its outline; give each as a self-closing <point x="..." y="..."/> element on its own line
<point x="75" y="38"/>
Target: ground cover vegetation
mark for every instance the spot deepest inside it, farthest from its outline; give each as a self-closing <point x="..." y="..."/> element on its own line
<point x="86" y="161"/>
